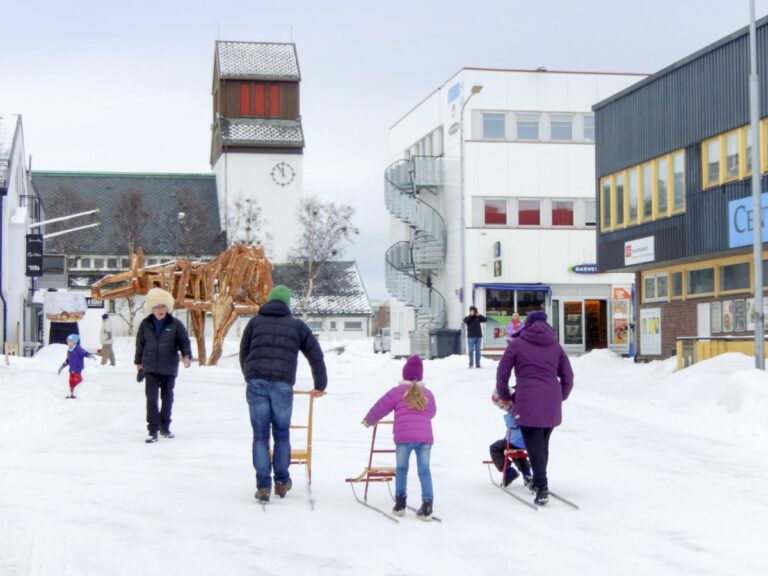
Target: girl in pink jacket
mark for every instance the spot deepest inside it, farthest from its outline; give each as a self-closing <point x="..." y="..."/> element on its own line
<point x="414" y="408"/>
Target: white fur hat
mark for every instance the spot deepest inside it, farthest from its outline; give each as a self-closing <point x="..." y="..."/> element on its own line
<point x="158" y="297"/>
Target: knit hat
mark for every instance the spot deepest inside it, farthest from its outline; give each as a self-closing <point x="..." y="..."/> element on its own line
<point x="413" y="371"/>
<point x="158" y="297"/>
<point x="104" y="316"/>
<point x="281" y="293"/>
<point x="74" y="338"/>
<point x="537" y="316"/>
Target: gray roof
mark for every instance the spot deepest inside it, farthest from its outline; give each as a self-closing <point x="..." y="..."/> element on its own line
<point x="338" y="289"/>
<point x="257" y="60"/>
<point x="262" y="132"/>
<point x="8" y="127"/>
<point x="162" y="198"/>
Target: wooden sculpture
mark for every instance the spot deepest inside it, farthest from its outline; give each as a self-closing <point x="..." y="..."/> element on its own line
<point x="236" y="282"/>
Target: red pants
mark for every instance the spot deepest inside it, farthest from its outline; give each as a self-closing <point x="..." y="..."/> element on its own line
<point x="74" y="380"/>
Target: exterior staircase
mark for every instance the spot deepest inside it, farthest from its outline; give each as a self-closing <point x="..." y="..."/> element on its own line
<point x="411" y="263"/>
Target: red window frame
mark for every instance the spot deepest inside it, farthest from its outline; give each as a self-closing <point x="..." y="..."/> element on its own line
<point x="245" y="99"/>
<point x="274" y="100"/>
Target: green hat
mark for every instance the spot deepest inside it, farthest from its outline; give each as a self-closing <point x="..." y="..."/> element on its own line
<point x="282" y="293"/>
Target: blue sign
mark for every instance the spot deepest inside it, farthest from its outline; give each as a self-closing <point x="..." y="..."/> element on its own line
<point x="741" y="218"/>
<point x="454" y="92"/>
<point x="584" y="269"/>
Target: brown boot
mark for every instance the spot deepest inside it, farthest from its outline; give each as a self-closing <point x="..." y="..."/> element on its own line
<point x="262" y="494"/>
<point x="281" y="488"/>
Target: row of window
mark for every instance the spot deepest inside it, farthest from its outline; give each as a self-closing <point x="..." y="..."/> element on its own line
<point x="261" y="100"/>
<point x="113" y="262"/>
<point x="696" y="280"/>
<point x="728" y="156"/>
<point x="536" y="212"/>
<point x="538" y="126"/>
<point x="349" y="325"/>
<point x="642" y="193"/>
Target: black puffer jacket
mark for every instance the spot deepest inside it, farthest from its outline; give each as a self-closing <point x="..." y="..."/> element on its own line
<point x="271" y="343"/>
<point x="159" y="354"/>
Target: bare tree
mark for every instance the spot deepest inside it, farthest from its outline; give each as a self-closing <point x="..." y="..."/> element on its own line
<point x="325" y="227"/>
<point x="192" y="219"/>
<point x="245" y="224"/>
<point x="132" y="217"/>
<point x="68" y="201"/>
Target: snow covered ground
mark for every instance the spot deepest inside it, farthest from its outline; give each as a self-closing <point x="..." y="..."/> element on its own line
<point x="669" y="469"/>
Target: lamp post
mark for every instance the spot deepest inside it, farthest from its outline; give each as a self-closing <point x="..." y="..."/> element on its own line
<point x="462" y="232"/>
<point x="754" y="110"/>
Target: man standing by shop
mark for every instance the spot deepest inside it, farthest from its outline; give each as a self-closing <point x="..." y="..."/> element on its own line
<point x="474" y="335"/>
<point x="105" y="337"/>
<point x="269" y="353"/>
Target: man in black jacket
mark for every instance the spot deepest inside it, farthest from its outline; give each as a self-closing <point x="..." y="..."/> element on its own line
<point x="474" y="335"/>
<point x="269" y="353"/>
<point x="159" y="340"/>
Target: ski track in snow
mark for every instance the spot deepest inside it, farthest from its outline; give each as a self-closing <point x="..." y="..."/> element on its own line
<point x="667" y="467"/>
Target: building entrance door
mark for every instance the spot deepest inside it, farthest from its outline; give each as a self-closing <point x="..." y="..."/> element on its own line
<point x="595" y="324"/>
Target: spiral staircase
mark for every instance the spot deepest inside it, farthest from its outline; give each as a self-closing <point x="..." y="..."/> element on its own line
<point x="410" y="264"/>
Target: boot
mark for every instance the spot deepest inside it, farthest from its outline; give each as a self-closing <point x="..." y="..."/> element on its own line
<point x="151" y="438"/>
<point x="281" y="488"/>
<point x="399" y="509"/>
<point x="262" y="495"/>
<point x="167" y="434"/>
<point x="542" y="496"/>
<point x="425" y="512"/>
<point x="510" y="475"/>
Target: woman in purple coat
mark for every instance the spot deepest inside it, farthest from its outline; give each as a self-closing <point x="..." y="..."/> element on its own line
<point x="414" y="408"/>
<point x="544" y="380"/>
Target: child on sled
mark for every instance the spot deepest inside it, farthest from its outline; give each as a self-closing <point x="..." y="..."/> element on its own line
<point x="513" y="440"/>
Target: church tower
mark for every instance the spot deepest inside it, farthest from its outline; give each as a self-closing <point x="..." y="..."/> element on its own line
<point x="257" y="143"/>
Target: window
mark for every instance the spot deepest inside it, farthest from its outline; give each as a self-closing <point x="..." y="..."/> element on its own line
<point x="125" y="263"/>
<point x="748" y="147"/>
<point x="85" y="263"/>
<point x="647" y="191"/>
<point x="274" y="100"/>
<point x="112" y="263"/>
<point x="528" y="213"/>
<point x="606" y="207"/>
<point x="333" y="325"/>
<point x="353" y="325"/>
<point x="528" y="126"/>
<point x="562" y="213"/>
<point x="701" y="281"/>
<point x="315" y="325"/>
<point x="495" y="212"/>
<point x="561" y="127"/>
<point x="619" y="201"/>
<point x="590" y="216"/>
<point x="655" y="287"/>
<point x="589" y="128"/>
<point x="735" y="277"/>
<point x="678" y="182"/>
<point x="98" y="263"/>
<point x="632" y="193"/>
<point x="713" y="161"/>
<point x="259" y="99"/>
<point x="493" y="126"/>
<point x="662" y="187"/>
<point x="732" y="155"/>
<point x="677" y="284"/>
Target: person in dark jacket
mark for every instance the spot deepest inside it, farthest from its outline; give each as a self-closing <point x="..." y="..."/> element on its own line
<point x="159" y="340"/>
<point x="269" y="351"/>
<point x="544" y="379"/>
<point x="474" y="335"/>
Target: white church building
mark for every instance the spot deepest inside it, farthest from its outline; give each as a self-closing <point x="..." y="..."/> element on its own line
<point x="491" y="189"/>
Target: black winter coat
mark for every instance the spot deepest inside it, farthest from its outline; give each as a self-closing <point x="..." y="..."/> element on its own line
<point x="270" y="346"/>
<point x="159" y="354"/>
<point x="474" y="330"/>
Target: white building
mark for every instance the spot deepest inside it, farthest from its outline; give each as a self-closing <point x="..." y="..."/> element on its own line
<point x="18" y="209"/>
<point x="492" y="193"/>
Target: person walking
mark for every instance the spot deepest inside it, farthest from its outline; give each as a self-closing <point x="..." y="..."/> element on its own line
<point x="159" y="340"/>
<point x="414" y="408"/>
<point x="474" y="335"/>
<point x="544" y="380"/>
<point x="269" y="351"/>
<point x="105" y="336"/>
<point x="75" y="359"/>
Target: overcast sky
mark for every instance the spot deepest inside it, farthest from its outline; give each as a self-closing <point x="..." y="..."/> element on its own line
<point x="126" y="87"/>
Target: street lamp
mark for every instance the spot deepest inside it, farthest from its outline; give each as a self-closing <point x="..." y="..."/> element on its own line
<point x="462" y="232"/>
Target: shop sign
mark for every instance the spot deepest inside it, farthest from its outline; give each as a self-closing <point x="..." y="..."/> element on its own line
<point x="741" y="221"/>
<point x="639" y="251"/>
<point x="34" y="265"/>
<point x="584" y="269"/>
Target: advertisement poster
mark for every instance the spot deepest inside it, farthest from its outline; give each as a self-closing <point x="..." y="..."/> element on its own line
<point x="727" y="315"/>
<point x="650" y="331"/>
<point x="717" y="317"/>
<point x="496" y="330"/>
<point x="739" y="315"/>
<point x="621" y="321"/>
<point x="64" y="306"/>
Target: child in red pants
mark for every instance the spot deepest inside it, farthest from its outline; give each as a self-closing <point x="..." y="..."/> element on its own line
<point x="76" y="361"/>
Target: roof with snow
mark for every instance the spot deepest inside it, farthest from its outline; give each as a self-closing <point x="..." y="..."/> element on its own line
<point x="8" y="127"/>
<point x="338" y="290"/>
<point x="262" y="132"/>
<point x="257" y="60"/>
<point x="162" y="198"/>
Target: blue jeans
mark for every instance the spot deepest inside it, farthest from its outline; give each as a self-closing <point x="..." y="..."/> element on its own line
<point x="473" y="345"/>
<point x="270" y="404"/>
<point x="403" y="454"/>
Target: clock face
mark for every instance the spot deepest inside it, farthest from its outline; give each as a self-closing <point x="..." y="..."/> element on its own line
<point x="283" y="173"/>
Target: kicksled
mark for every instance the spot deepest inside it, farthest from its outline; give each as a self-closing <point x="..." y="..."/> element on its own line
<point x="511" y="454"/>
<point x="375" y="474"/>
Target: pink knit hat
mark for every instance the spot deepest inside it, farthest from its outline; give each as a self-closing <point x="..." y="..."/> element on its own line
<point x="413" y="371"/>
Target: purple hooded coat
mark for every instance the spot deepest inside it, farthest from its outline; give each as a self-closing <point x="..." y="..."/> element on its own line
<point x="543" y="374"/>
<point x="410" y="425"/>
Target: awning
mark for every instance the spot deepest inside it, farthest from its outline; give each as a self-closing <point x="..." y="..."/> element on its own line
<point x="502" y="286"/>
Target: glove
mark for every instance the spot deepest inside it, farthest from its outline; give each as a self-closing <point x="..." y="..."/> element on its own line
<point x="140" y="376"/>
<point x="364" y="423"/>
<point x="61" y="368"/>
